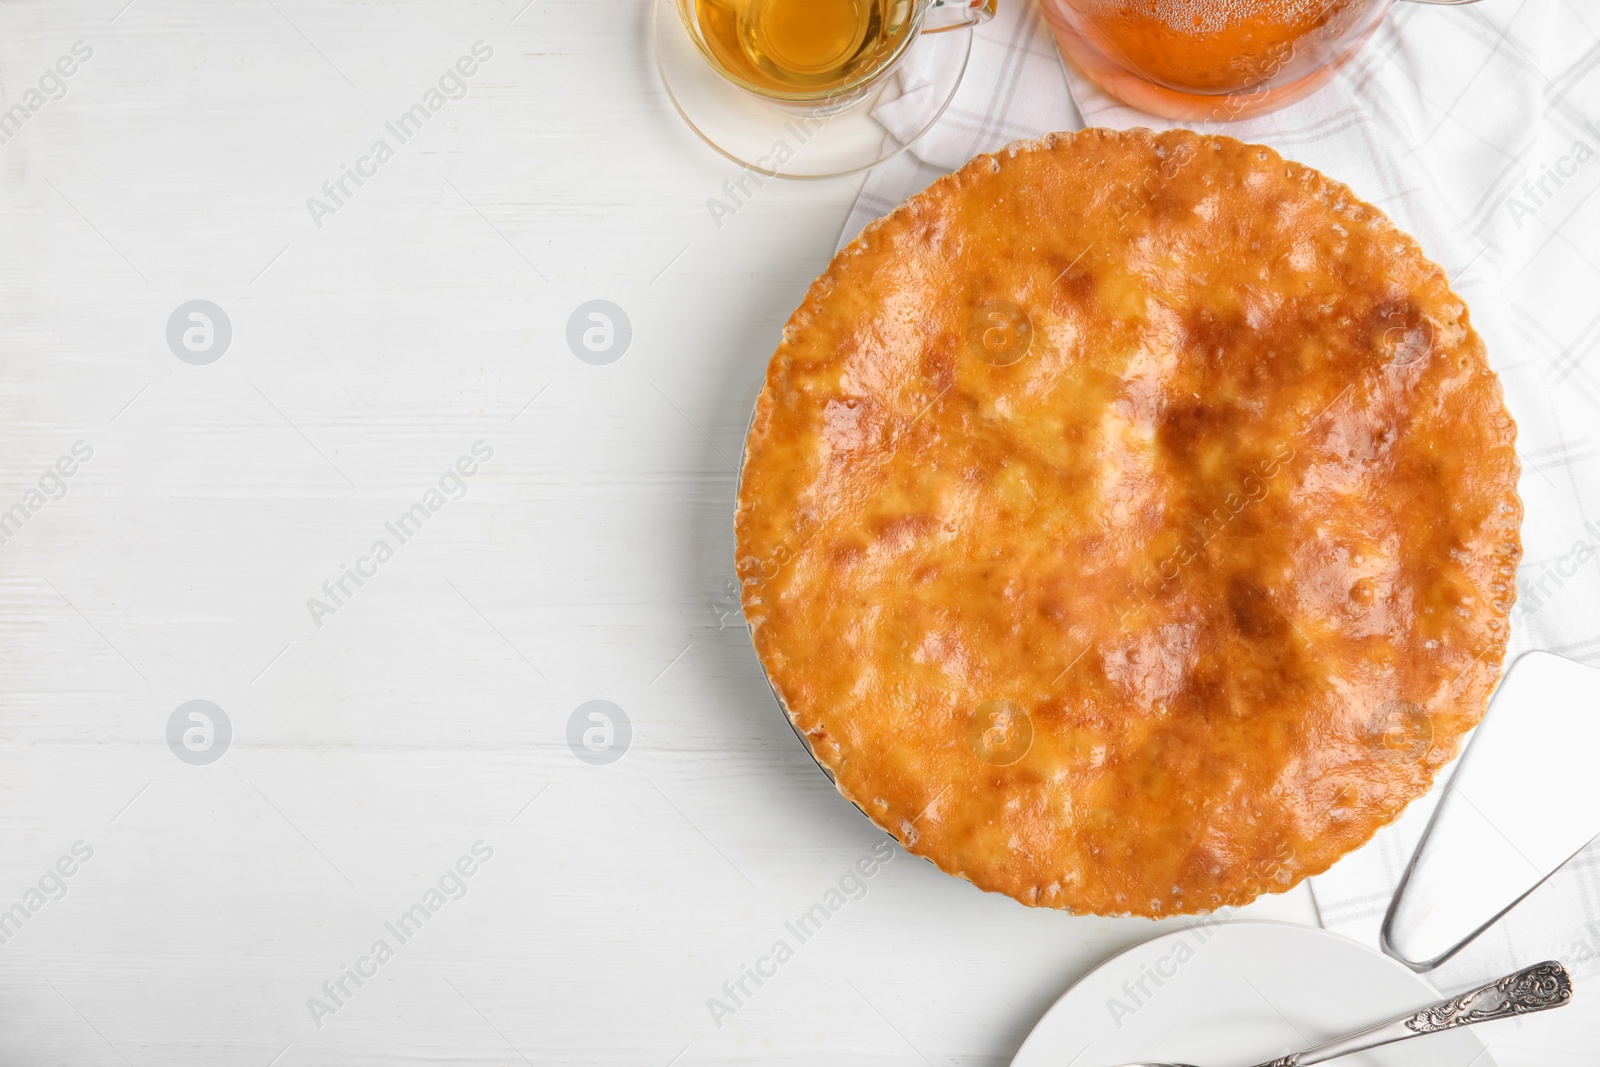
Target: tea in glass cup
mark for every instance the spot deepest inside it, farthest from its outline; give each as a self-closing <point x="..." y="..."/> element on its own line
<point x="816" y="51"/>
<point x="818" y="46"/>
<point x="790" y="88"/>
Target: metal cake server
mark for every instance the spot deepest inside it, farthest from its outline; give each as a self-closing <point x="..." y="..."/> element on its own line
<point x="1523" y="801"/>
<point x="1537" y="988"/>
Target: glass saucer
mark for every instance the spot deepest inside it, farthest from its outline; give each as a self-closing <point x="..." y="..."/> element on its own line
<point x="808" y="141"/>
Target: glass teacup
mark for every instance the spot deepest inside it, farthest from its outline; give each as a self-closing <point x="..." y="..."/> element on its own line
<point x="817" y="52"/>
<point x="789" y="87"/>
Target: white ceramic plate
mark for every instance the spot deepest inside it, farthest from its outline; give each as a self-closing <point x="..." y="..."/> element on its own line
<point x="1236" y="994"/>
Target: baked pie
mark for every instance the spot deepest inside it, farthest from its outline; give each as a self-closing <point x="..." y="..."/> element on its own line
<point x="1129" y="522"/>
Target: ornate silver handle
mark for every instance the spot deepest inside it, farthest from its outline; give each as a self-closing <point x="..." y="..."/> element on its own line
<point x="1537" y="988"/>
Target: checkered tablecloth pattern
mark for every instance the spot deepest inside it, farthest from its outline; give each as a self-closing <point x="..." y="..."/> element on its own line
<point x="1475" y="129"/>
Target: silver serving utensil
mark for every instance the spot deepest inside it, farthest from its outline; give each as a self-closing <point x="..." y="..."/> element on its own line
<point x="1537" y="988"/>
<point x="1519" y="806"/>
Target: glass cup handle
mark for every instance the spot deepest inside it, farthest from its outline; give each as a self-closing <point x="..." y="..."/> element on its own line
<point x="977" y="12"/>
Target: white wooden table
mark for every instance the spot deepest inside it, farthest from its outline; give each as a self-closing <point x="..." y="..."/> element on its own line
<point x="380" y="738"/>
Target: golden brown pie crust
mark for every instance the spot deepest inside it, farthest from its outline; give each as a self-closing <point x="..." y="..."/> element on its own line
<point x="1129" y="522"/>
